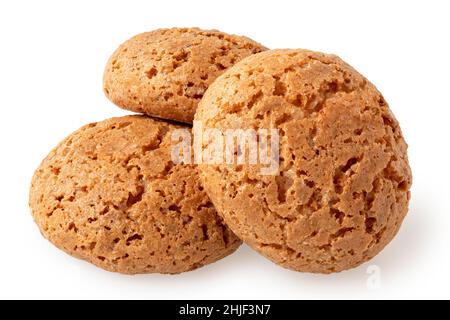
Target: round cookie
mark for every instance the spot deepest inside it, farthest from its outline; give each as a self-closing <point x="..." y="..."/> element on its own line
<point x="164" y="73"/>
<point x="342" y="186"/>
<point x="110" y="194"/>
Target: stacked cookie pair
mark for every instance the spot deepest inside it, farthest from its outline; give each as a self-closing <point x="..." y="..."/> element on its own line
<point x="111" y="193"/>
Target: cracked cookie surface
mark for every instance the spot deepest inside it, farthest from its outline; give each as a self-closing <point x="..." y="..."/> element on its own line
<point x="110" y="194"/>
<point x="342" y="188"/>
<point x="164" y="73"/>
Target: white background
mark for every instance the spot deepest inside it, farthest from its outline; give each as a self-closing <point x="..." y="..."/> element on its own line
<point x="52" y="55"/>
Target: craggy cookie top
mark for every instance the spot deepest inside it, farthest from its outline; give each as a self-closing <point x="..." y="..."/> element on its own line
<point x="165" y="72"/>
<point x="342" y="187"/>
<point x="110" y="194"/>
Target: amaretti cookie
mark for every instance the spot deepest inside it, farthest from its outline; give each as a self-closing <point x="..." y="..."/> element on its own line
<point x="341" y="189"/>
<point x="164" y="73"/>
<point x="110" y="194"/>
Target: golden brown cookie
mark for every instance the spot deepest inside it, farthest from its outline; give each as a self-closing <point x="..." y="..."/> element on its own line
<point x="342" y="187"/>
<point x="110" y="194"/>
<point x="164" y="73"/>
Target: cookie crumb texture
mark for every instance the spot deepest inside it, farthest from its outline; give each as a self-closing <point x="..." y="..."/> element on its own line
<point x="110" y="194"/>
<point x="164" y="73"/>
<point x="343" y="184"/>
